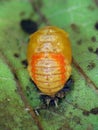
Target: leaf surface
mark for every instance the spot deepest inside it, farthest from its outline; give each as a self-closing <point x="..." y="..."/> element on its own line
<point x="19" y="96"/>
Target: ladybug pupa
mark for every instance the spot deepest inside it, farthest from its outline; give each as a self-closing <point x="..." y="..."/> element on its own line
<point x="49" y="58"/>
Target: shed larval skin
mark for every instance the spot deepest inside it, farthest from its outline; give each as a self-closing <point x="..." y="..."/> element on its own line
<point x="49" y="59"/>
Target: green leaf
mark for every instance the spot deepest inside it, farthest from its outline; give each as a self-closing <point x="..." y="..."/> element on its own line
<point x="18" y="95"/>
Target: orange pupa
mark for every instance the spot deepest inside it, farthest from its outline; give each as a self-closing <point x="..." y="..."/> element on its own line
<point x="49" y="58"/>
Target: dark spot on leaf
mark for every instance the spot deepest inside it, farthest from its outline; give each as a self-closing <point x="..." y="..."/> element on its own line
<point x="91" y="66"/>
<point x="27" y="94"/>
<point x="75" y="28"/>
<point x="31" y="98"/>
<point x="96" y="25"/>
<point x="28" y="26"/>
<point x="24" y="62"/>
<point x="16" y="55"/>
<point x="96" y="51"/>
<point x="16" y="90"/>
<point x="79" y="42"/>
<point x="90" y="49"/>
<point x="27" y="88"/>
<point x="94" y="111"/>
<point x="76" y="105"/>
<point x="86" y="113"/>
<point x="93" y="39"/>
